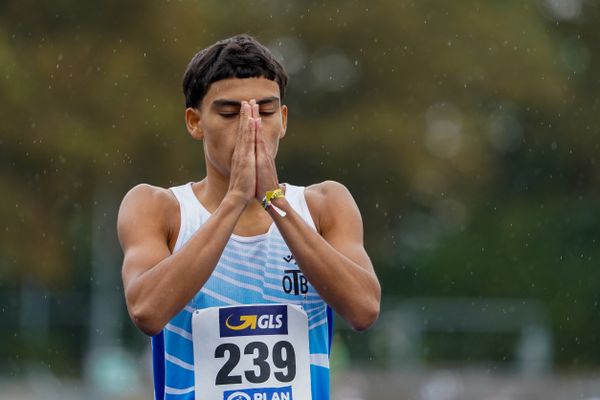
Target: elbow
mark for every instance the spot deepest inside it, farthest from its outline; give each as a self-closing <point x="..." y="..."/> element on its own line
<point x="367" y="311"/>
<point x="148" y="328"/>
<point x="146" y="320"/>
<point x="366" y="317"/>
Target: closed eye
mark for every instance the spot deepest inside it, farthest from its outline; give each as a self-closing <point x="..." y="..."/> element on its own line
<point x="228" y="114"/>
<point x="231" y="114"/>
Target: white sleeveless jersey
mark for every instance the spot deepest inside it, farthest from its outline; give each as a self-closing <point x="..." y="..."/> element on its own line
<point x="252" y="270"/>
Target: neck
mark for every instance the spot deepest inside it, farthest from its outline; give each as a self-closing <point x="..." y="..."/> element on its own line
<point x="213" y="189"/>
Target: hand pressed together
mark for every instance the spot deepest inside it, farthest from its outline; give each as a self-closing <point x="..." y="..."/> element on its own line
<point x="253" y="170"/>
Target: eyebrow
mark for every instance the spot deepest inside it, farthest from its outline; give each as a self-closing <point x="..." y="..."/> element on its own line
<point x="235" y="103"/>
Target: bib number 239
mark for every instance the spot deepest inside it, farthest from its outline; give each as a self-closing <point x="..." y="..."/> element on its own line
<point x="251" y="352"/>
<point x="284" y="358"/>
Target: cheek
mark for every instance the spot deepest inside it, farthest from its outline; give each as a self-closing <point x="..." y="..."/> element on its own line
<point x="220" y="148"/>
<point x="219" y="141"/>
<point x="272" y="127"/>
<point x="272" y="132"/>
<point x="219" y="132"/>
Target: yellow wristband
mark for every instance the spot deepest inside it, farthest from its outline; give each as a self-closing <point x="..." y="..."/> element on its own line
<point x="273" y="194"/>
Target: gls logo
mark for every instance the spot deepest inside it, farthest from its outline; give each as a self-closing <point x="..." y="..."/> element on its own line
<point x="253" y="320"/>
<point x="250" y="321"/>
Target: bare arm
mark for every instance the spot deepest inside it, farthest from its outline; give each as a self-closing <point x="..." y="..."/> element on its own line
<point x="159" y="284"/>
<point x="334" y="261"/>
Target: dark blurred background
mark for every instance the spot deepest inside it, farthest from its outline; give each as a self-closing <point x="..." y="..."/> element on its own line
<point x="467" y="131"/>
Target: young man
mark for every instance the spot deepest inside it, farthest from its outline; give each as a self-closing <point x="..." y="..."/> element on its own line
<point x="234" y="276"/>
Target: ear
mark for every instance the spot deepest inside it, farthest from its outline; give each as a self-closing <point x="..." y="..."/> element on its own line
<point x="192" y="123"/>
<point x="284" y="115"/>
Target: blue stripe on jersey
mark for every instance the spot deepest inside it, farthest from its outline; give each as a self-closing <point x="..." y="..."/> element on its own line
<point x="330" y="327"/>
<point x="208" y="299"/>
<point x="178" y="377"/>
<point x="320" y="385"/>
<point x="182" y="320"/>
<point x="174" y="340"/>
<point x="315" y="345"/>
<point x="158" y="365"/>
<point x="259" y="252"/>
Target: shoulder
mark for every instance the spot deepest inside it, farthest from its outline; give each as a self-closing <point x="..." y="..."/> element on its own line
<point x="327" y="199"/>
<point x="327" y="190"/>
<point x="150" y="198"/>
<point x="147" y="205"/>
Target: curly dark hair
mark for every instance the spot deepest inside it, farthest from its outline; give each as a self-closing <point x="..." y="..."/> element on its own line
<point x="240" y="56"/>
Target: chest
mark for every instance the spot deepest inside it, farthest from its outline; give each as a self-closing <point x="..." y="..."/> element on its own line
<point x="263" y="271"/>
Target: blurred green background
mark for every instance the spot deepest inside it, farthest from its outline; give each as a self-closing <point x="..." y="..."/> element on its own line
<point x="467" y="131"/>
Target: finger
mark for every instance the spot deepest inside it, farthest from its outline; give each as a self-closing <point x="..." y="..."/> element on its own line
<point x="249" y="138"/>
<point x="245" y="114"/>
<point x="260" y="140"/>
<point x="256" y="156"/>
<point x="245" y="110"/>
<point x="259" y="133"/>
<point x="244" y="119"/>
<point x="246" y="122"/>
<point x="254" y="138"/>
<point x="255" y="112"/>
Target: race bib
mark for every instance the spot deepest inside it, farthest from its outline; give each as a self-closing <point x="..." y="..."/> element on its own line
<point x="251" y="352"/>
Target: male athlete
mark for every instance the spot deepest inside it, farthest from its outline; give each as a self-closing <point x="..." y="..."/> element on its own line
<point x="235" y="276"/>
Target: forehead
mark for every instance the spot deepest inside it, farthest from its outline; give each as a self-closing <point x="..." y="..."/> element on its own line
<point x="244" y="89"/>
